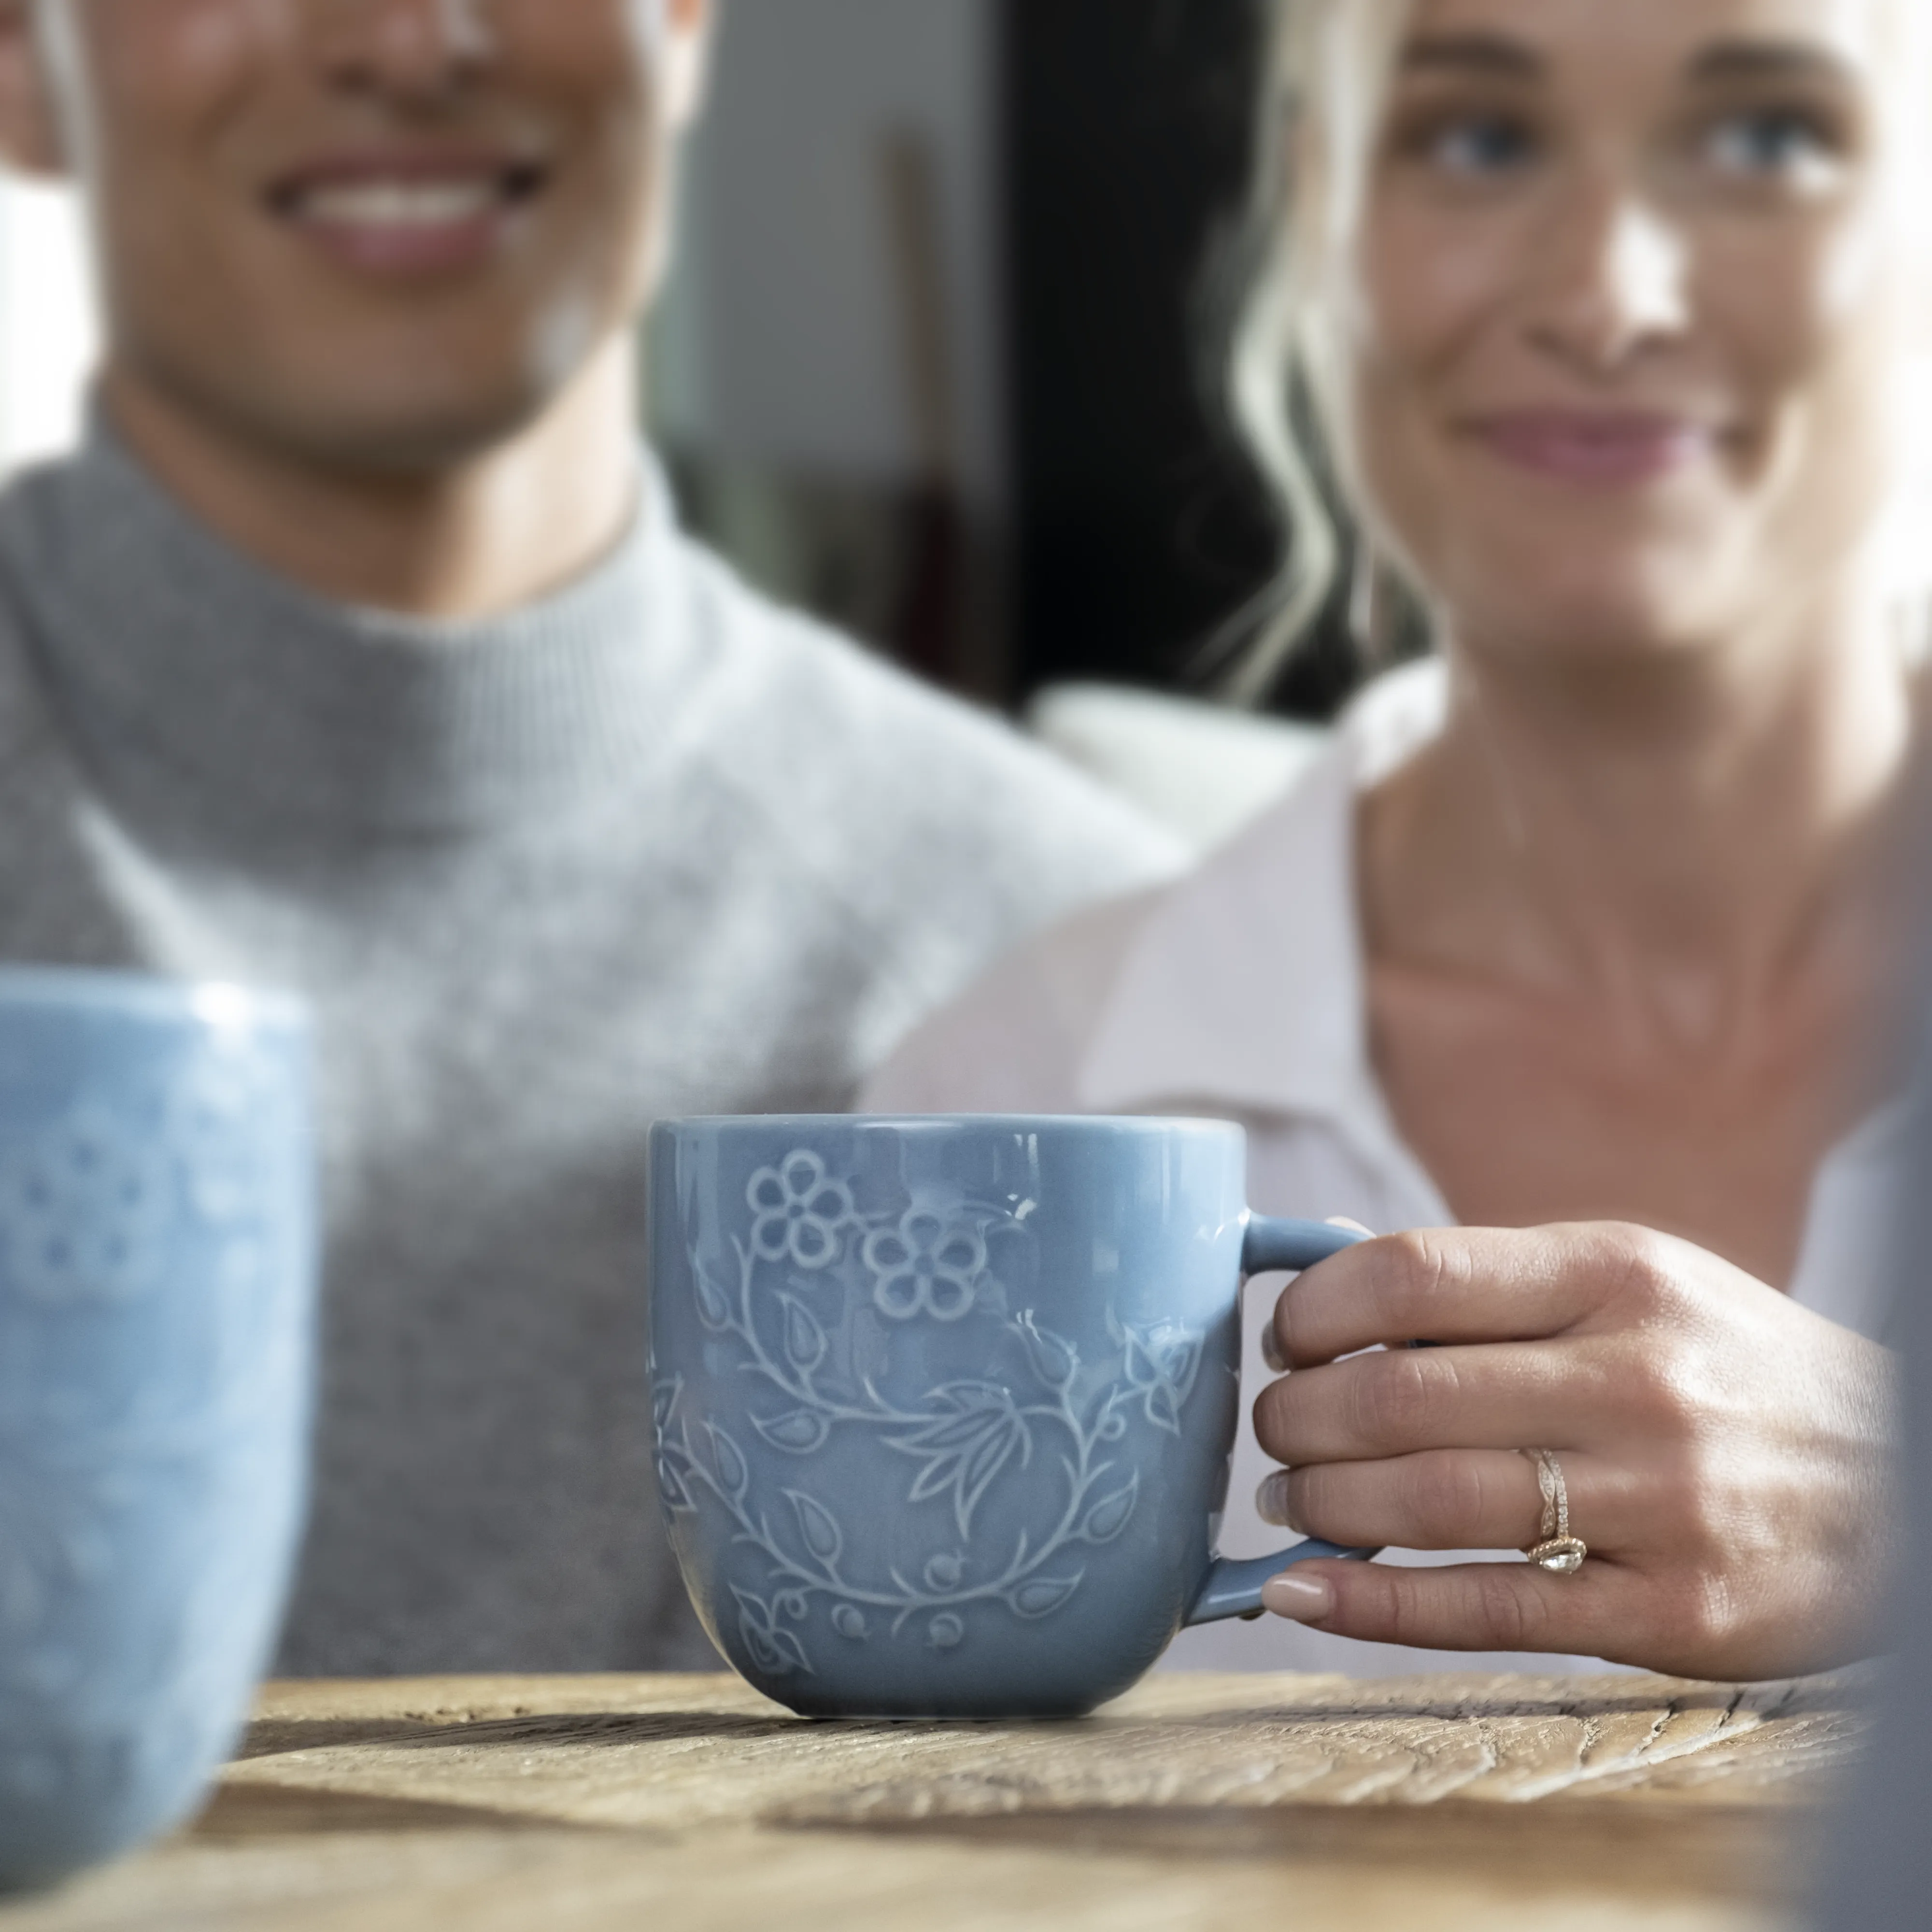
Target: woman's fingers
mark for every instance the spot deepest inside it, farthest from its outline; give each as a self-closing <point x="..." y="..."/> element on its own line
<point x="1458" y="1285"/>
<point x="1449" y="1499"/>
<point x="1399" y="1401"/>
<point x="1271" y="1352"/>
<point x="1463" y="1606"/>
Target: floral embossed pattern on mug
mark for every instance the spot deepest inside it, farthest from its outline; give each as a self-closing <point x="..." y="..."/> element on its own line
<point x="156" y="1285"/>
<point x="937" y="1402"/>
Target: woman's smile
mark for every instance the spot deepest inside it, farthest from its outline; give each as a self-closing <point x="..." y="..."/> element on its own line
<point x="1603" y="449"/>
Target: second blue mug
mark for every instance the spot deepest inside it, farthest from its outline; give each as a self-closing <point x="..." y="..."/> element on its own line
<point x="157" y="1251"/>
<point x="945" y="1407"/>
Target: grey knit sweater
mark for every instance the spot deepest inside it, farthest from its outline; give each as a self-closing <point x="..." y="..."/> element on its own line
<point x="650" y="847"/>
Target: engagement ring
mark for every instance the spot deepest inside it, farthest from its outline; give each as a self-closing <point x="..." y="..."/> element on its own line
<point x="1559" y="1553"/>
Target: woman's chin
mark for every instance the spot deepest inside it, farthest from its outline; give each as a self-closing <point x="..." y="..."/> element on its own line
<point x="1594" y="629"/>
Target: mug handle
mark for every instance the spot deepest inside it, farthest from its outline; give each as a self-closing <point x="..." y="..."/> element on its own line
<point x="1234" y="1584"/>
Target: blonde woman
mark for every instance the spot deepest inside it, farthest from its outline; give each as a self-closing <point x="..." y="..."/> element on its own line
<point x="1583" y="945"/>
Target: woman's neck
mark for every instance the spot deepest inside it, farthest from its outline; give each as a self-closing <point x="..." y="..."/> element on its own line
<point x="1675" y="839"/>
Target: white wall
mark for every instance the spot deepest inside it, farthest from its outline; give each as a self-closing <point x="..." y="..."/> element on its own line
<point x="48" y="336"/>
<point x="783" y="342"/>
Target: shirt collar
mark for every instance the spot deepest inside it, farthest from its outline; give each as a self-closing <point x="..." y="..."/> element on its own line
<point x="1244" y="988"/>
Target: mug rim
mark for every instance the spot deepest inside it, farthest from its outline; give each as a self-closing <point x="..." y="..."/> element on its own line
<point x="210" y="1003"/>
<point x="1151" y="1123"/>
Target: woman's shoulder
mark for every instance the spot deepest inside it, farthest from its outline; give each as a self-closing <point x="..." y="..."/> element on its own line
<point x="1021" y="1039"/>
<point x="1255" y="946"/>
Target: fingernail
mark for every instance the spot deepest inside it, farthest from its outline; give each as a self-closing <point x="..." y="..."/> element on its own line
<point x="1273" y="1503"/>
<point x="1353" y="1227"/>
<point x="1302" y="1600"/>
<point x="1271" y="1350"/>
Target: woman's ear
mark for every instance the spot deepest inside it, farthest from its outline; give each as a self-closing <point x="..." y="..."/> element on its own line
<point x="30" y="135"/>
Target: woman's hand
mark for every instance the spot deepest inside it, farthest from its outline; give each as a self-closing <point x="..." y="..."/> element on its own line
<point x="1728" y="1455"/>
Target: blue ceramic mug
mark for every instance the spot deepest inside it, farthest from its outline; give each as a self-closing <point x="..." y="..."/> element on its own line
<point x="945" y="1407"/>
<point x="157" y="1298"/>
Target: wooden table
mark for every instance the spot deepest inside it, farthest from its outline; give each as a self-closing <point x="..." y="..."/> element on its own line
<point x="576" y="1805"/>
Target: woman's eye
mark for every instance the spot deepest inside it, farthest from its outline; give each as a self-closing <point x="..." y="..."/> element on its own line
<point x="1480" y="146"/>
<point x="1779" y="144"/>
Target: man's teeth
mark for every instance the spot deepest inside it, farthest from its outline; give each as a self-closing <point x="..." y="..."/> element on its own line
<point x="402" y="205"/>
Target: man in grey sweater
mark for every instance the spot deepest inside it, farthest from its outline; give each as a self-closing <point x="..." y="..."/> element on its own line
<point x="359" y="653"/>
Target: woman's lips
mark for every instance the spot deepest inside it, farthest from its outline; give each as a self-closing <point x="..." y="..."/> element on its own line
<point x="1572" y="447"/>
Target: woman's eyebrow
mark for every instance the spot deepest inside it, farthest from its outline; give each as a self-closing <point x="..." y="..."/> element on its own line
<point x="1773" y="60"/>
<point x="1492" y="54"/>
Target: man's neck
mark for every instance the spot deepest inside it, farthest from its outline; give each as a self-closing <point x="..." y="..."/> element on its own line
<point x="465" y="541"/>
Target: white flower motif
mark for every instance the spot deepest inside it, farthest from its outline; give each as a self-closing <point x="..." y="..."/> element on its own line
<point x="801" y="1212"/>
<point x="84" y="1213"/>
<point x="926" y="1266"/>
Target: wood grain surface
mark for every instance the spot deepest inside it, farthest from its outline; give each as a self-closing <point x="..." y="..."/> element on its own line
<point x="597" y="1802"/>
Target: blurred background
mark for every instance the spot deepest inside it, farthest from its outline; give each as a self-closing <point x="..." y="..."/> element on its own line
<point x="938" y="360"/>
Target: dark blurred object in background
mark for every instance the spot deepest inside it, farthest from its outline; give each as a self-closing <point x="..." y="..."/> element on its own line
<point x="1141" y="528"/>
<point x="938" y="363"/>
<point x="827" y="378"/>
<point x="1879" y="1877"/>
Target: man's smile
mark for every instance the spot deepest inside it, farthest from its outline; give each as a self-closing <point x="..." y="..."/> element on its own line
<point x="403" y="212"/>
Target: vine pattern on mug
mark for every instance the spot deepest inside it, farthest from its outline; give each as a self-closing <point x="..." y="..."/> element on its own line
<point x="921" y="1264"/>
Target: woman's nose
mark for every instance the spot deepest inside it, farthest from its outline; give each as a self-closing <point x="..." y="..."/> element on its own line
<point x="410" y="47"/>
<point x="1615" y="281"/>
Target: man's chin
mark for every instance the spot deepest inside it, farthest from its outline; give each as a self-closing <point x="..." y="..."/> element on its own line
<point x="407" y="440"/>
<point x="398" y="429"/>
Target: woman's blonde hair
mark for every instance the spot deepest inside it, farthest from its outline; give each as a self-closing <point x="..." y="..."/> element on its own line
<point x="1325" y="76"/>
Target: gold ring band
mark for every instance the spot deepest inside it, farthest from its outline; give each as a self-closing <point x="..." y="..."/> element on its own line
<point x="1558" y="1552"/>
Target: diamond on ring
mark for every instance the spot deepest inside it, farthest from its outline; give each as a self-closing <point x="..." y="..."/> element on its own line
<point x="1561" y="1555"/>
<point x="1558" y="1552"/>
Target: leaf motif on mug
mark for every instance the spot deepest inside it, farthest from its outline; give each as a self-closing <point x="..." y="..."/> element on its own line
<point x="818" y="1526"/>
<point x="799" y="1432"/>
<point x="714" y="1306"/>
<point x="791" y="1651"/>
<point x="673" y="1479"/>
<point x="1045" y="1595"/>
<point x="1109" y="1515"/>
<point x="1054" y="1360"/>
<point x="664" y="1401"/>
<point x="805" y="1339"/>
<point x="973" y="1433"/>
<point x="774" y="1651"/>
<point x="1163" y="1366"/>
<point x="1179" y="1363"/>
<point x="728" y="1460"/>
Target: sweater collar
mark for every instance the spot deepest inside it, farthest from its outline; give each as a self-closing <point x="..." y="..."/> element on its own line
<point x="180" y="661"/>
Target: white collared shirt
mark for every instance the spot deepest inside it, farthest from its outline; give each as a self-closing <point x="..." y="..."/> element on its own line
<point x="1238" y="991"/>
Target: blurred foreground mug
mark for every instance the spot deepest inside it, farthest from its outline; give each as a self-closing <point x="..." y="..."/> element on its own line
<point x="157" y="1263"/>
<point x="945" y="1407"/>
